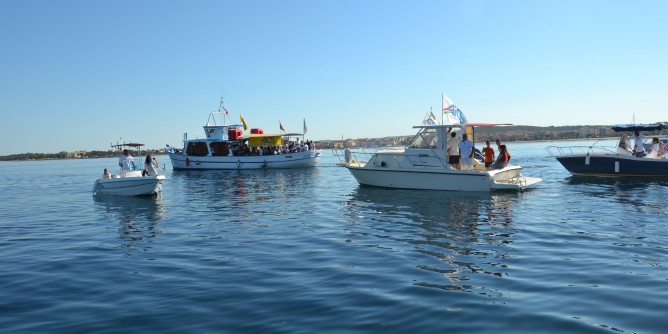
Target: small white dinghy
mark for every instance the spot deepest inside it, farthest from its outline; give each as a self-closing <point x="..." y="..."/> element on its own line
<point x="129" y="181"/>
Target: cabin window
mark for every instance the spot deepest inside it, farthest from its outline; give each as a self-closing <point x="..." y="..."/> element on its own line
<point x="197" y="149"/>
<point x="219" y="149"/>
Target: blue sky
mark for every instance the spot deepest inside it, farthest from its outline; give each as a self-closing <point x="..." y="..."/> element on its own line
<point x="82" y="74"/>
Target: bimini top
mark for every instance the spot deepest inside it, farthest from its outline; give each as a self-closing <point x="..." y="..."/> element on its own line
<point x="639" y="127"/>
<point x="119" y="146"/>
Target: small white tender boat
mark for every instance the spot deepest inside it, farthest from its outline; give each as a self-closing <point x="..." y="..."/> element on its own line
<point x="423" y="164"/>
<point x="129" y="182"/>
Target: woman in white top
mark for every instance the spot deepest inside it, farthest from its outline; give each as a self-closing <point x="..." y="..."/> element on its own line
<point x="653" y="151"/>
<point x="149" y="166"/>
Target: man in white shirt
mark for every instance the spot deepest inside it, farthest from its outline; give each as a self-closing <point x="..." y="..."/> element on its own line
<point x="466" y="151"/>
<point x="126" y="161"/>
<point x="453" y="151"/>
<point x="638" y="149"/>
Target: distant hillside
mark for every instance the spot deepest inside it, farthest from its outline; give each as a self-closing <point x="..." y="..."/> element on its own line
<point x="504" y="133"/>
<point x="71" y="155"/>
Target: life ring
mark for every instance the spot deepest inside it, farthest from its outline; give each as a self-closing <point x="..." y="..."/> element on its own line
<point x="187" y="162"/>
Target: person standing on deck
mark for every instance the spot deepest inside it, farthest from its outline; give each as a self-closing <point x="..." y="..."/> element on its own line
<point x="466" y="151"/>
<point x="453" y="151"/>
<point x="488" y="151"/>
<point x="638" y="149"/>
<point x="126" y="161"/>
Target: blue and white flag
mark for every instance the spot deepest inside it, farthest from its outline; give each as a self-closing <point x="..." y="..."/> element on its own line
<point x="460" y="116"/>
<point x="452" y="114"/>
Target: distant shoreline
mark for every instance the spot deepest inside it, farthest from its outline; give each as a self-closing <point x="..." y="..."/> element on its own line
<point x="58" y="156"/>
<point x="51" y="156"/>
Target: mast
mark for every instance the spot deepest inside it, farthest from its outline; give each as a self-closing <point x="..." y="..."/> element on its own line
<point x="223" y="114"/>
<point x="221" y="110"/>
<point x="442" y="107"/>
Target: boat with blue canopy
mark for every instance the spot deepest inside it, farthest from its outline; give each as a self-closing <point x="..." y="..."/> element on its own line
<point x="621" y="160"/>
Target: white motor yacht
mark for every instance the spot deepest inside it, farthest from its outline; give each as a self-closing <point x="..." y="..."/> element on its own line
<point x="423" y="163"/>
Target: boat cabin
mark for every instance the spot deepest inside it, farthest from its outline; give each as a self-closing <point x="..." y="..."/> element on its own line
<point x="436" y="136"/>
<point x="246" y="145"/>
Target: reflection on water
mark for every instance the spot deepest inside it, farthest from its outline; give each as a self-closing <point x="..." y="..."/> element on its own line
<point x="239" y="194"/>
<point x="137" y="216"/>
<point x="634" y="194"/>
<point x="456" y="235"/>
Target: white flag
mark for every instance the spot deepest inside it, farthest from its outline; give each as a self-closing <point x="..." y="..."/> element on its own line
<point x="452" y="114"/>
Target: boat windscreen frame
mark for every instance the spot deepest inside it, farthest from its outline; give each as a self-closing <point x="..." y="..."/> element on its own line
<point x="427" y="138"/>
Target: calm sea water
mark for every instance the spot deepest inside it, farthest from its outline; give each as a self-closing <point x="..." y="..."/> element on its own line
<point x="310" y="251"/>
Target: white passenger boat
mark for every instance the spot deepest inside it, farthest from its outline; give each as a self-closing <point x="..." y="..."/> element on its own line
<point x="423" y="164"/>
<point x="226" y="147"/>
<point x="129" y="181"/>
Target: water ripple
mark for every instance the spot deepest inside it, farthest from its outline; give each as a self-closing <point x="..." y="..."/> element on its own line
<point x="306" y="251"/>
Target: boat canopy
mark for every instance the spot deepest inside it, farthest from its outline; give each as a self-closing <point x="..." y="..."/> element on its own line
<point x="263" y="139"/>
<point x="639" y="127"/>
<point x="267" y="139"/>
<point x="127" y="145"/>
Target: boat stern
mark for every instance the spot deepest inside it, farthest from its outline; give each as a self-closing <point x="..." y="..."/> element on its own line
<point x="510" y="178"/>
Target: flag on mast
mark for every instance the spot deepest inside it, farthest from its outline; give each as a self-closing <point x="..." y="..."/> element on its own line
<point x="305" y="129"/>
<point x="429" y="119"/>
<point x="452" y="114"/>
<point x="280" y="125"/>
<point x="243" y="121"/>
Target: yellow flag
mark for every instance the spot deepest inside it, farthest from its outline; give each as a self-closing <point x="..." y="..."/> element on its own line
<point x="243" y="121"/>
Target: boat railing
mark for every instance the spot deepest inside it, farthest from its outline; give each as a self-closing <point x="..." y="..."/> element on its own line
<point x="556" y="151"/>
<point x="359" y="157"/>
<point x="518" y="180"/>
<point x="348" y="156"/>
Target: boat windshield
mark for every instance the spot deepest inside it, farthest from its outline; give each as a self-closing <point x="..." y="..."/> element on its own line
<point x="426" y="138"/>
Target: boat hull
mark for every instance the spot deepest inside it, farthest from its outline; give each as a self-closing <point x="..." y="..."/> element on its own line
<point x="614" y="165"/>
<point x="291" y="160"/>
<point x="129" y="186"/>
<point x="439" y="179"/>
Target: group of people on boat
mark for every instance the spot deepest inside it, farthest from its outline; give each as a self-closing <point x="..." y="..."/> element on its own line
<point x="501" y="160"/>
<point x="461" y="153"/>
<point x="657" y="149"/>
<point x="224" y="149"/>
<point x="127" y="163"/>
